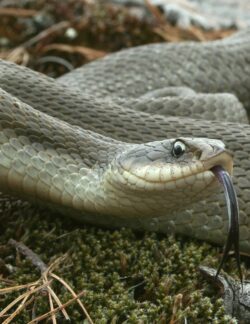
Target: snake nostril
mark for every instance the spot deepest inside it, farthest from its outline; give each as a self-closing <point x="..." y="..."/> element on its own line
<point x="197" y="155"/>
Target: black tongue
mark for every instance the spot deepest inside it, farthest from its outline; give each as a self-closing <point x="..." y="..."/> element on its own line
<point x="233" y="216"/>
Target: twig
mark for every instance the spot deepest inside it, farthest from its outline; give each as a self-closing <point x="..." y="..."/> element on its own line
<point x="29" y="254"/>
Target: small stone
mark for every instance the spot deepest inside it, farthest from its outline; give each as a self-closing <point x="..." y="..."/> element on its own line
<point x="71" y="33"/>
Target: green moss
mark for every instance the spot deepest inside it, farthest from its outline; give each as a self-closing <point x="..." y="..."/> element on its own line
<point x="128" y="276"/>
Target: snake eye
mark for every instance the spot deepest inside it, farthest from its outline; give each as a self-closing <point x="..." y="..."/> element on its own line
<point x="178" y="149"/>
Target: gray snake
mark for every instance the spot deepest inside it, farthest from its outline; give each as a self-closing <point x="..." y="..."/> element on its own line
<point x="99" y="143"/>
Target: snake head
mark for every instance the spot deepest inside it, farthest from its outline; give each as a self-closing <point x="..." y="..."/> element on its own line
<point x="167" y="175"/>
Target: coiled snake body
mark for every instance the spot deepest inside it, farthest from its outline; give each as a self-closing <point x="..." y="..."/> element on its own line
<point x="76" y="143"/>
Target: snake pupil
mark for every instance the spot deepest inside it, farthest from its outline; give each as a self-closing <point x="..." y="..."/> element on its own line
<point x="178" y="149"/>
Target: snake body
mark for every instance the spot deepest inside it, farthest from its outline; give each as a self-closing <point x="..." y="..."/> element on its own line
<point x="97" y="144"/>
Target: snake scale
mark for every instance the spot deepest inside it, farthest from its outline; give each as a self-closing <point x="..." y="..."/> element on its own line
<point x="104" y="142"/>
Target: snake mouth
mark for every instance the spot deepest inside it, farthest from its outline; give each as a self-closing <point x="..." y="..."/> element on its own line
<point x="223" y="160"/>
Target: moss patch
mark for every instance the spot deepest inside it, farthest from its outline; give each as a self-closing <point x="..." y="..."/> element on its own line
<point x="128" y="277"/>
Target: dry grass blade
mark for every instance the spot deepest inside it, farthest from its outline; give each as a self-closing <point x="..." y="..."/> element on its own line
<point x="52" y="294"/>
<point x="155" y="12"/>
<point x="187" y="5"/>
<point x="20" y="50"/>
<point x="176" y="307"/>
<point x="7" y="281"/>
<point x="42" y="317"/>
<point x="19" y="55"/>
<point x="53" y="316"/>
<point x="20" y="287"/>
<point x="4" y="54"/>
<point x="170" y="33"/>
<point x="55" y="263"/>
<point x="15" y="301"/>
<point x="18" y="12"/>
<point x="89" y="53"/>
<point x="74" y="295"/>
<point x="25" y="302"/>
<point x="46" y="33"/>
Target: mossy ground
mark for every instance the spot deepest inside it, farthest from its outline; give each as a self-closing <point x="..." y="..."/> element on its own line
<point x="128" y="277"/>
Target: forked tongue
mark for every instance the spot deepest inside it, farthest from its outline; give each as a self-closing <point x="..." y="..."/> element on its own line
<point x="233" y="216"/>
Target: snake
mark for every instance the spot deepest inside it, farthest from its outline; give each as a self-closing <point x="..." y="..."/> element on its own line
<point x="130" y="139"/>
